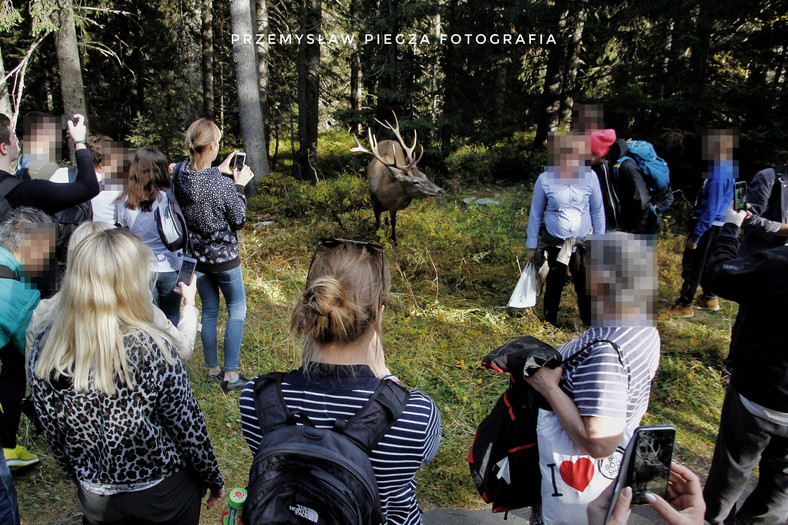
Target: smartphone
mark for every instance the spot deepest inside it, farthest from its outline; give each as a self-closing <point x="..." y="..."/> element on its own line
<point x="66" y="119"/>
<point x="187" y="270"/>
<point x="239" y="161"/>
<point x="739" y="195"/>
<point x="646" y="464"/>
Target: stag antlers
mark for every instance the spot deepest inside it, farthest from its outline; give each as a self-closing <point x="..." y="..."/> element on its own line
<point x="373" y="142"/>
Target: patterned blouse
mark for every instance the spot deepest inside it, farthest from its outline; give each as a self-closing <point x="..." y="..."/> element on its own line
<point x="133" y="439"/>
<point x="215" y="208"/>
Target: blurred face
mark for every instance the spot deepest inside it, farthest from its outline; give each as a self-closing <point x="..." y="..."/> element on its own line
<point x="42" y="139"/>
<point x="36" y="252"/>
<point x="568" y="153"/>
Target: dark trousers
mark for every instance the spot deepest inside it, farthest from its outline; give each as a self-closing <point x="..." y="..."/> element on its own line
<point x="174" y="501"/>
<point x="743" y="442"/>
<point x="693" y="264"/>
<point x="556" y="278"/>
<point x="12" y="391"/>
<point x="9" y="508"/>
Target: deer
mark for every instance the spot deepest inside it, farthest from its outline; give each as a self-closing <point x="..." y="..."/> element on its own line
<point x="393" y="175"/>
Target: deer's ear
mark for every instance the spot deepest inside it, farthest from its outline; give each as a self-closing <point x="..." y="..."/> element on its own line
<point x="398" y="173"/>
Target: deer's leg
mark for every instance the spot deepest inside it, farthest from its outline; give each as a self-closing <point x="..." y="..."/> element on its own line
<point x="393" y="214"/>
<point x="377" y="217"/>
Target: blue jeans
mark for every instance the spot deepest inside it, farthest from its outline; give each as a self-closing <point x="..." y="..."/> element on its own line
<point x="9" y="509"/>
<point x="231" y="284"/>
<point x="167" y="300"/>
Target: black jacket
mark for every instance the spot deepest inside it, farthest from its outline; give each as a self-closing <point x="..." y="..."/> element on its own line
<point x="53" y="197"/>
<point x="636" y="214"/>
<point x="759" y="283"/>
<point x="767" y="196"/>
<point x="610" y="199"/>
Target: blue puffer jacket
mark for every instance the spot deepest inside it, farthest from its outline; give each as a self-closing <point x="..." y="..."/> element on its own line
<point x="19" y="300"/>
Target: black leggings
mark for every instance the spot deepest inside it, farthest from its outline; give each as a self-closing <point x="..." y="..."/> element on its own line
<point x="556" y="278"/>
<point x="12" y="391"/>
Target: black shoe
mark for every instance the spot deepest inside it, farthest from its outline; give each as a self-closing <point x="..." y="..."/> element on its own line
<point x="238" y="384"/>
<point x="217" y="376"/>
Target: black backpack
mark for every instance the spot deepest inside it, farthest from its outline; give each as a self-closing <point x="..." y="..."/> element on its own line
<point x="508" y="433"/>
<point x="7" y="184"/>
<point x="305" y="475"/>
<point x="69" y="219"/>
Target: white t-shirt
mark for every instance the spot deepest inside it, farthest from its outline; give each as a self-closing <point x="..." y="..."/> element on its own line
<point x="103" y="204"/>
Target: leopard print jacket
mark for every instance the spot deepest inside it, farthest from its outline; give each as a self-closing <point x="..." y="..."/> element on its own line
<point x="140" y="434"/>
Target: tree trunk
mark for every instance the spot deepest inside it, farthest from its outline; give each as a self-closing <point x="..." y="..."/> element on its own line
<point x="207" y="59"/>
<point x="5" y="96"/>
<point x="570" y="71"/>
<point x="71" y="87"/>
<point x="553" y="81"/>
<point x="452" y="75"/>
<point x="356" y="83"/>
<point x="262" y="62"/>
<point x="387" y="92"/>
<point x="251" y="117"/>
<point x="189" y="60"/>
<point x="308" y="90"/>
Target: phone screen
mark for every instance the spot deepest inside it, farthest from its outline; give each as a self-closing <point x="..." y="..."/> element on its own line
<point x="240" y="160"/>
<point x="646" y="464"/>
<point x="739" y="195"/>
<point x="187" y="270"/>
<point x="649" y="467"/>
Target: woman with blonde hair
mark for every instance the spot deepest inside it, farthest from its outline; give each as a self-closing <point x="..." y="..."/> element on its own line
<point x="149" y="180"/>
<point x="215" y="208"/>
<point x="339" y="319"/>
<point x="182" y="336"/>
<point x="113" y="396"/>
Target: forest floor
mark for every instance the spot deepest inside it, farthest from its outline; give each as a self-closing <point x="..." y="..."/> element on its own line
<point x="452" y="273"/>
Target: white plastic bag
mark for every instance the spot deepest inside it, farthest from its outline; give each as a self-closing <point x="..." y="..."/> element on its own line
<point x="524" y="294"/>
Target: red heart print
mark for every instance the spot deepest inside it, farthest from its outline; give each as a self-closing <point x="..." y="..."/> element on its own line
<point x="577" y="474"/>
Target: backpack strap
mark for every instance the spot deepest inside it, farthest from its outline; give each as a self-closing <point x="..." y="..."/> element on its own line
<point x="8" y="183"/>
<point x="580" y="354"/>
<point x="368" y="426"/>
<point x="269" y="403"/>
<point x="7" y="273"/>
<point x="365" y="428"/>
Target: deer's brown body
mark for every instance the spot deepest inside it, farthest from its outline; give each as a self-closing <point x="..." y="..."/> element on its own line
<point x="394" y="179"/>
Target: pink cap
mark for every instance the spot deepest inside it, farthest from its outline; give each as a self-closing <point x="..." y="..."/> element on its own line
<point x="602" y="140"/>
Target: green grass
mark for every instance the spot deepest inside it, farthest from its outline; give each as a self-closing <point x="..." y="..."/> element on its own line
<point x="452" y="274"/>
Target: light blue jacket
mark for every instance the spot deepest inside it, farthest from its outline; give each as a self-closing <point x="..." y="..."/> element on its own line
<point x="19" y="299"/>
<point x="567" y="210"/>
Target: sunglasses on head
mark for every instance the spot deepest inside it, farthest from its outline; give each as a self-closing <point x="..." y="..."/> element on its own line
<point x="333" y="243"/>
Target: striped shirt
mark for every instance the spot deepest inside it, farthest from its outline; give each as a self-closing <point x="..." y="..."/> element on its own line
<point x="339" y="392"/>
<point x="609" y="382"/>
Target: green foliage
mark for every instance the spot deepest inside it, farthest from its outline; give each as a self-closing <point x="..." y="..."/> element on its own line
<point x="509" y="159"/>
<point x="285" y="196"/>
<point x="9" y="16"/>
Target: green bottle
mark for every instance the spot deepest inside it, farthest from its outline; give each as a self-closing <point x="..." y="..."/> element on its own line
<point x="235" y="507"/>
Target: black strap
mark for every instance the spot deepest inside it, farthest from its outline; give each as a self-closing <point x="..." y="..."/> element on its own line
<point x="368" y="426"/>
<point x="579" y="354"/>
<point x="365" y="428"/>
<point x="8" y="183"/>
<point x="7" y="273"/>
<point x="272" y="411"/>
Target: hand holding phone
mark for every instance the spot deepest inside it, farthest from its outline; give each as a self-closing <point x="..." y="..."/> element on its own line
<point x="186" y="276"/>
<point x="239" y="161"/>
<point x="646" y="465"/>
<point x="740" y="195"/>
